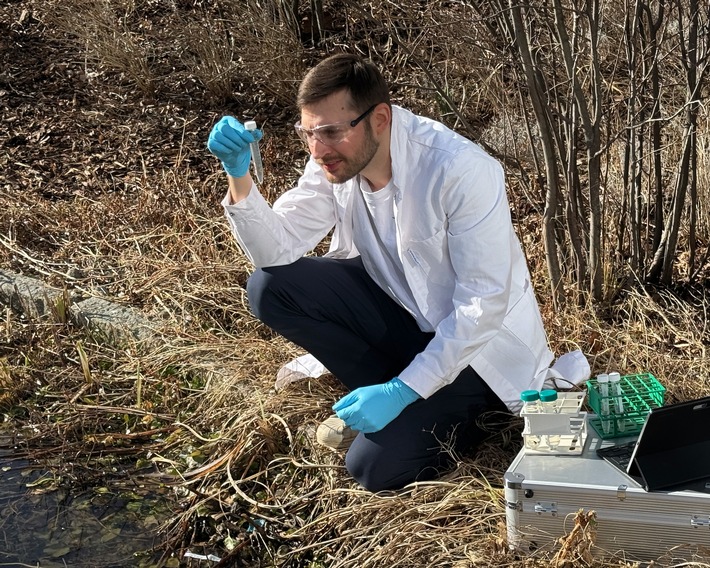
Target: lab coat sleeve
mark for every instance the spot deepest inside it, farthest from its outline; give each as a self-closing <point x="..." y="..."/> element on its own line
<point x="281" y="234"/>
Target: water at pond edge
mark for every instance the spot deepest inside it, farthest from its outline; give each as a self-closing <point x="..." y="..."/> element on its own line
<point x="47" y="526"/>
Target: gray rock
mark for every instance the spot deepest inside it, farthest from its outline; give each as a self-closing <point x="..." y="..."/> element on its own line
<point x="119" y="324"/>
<point x="28" y="295"/>
<point x="110" y="321"/>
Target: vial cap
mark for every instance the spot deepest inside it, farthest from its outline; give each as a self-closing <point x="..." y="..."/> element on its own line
<point x="603" y="378"/>
<point x="529" y="395"/>
<point x="614" y="377"/>
<point x="250" y="125"/>
<point x="548" y="395"/>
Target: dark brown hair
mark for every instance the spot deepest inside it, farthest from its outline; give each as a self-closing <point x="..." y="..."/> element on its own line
<point x="361" y="78"/>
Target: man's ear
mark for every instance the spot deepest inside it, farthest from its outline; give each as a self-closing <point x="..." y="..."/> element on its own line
<point x="381" y="118"/>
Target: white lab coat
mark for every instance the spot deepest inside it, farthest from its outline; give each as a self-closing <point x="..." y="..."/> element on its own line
<point x="461" y="257"/>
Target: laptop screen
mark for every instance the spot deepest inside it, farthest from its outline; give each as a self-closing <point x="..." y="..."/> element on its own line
<point x="674" y="445"/>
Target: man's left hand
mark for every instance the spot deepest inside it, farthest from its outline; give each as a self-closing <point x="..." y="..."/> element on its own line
<point x="369" y="409"/>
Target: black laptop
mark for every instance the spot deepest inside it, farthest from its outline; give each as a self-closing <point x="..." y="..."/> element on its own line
<point x="672" y="451"/>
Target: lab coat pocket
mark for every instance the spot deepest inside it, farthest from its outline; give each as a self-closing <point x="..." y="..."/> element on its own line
<point x="430" y="257"/>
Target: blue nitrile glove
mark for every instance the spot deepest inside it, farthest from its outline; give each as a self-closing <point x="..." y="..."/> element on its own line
<point x="229" y="141"/>
<point x="369" y="409"/>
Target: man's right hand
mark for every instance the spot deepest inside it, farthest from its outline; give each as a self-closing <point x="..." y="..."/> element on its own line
<point x="229" y="141"/>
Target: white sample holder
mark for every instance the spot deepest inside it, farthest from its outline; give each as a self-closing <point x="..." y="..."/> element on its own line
<point x="569" y="423"/>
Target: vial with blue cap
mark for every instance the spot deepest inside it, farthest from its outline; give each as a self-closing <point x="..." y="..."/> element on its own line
<point x="531" y="405"/>
<point x="550" y="405"/>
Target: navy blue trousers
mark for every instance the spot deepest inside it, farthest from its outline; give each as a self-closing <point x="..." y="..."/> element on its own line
<point x="334" y="310"/>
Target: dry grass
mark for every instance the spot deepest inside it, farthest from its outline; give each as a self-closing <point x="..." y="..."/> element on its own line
<point x="206" y="417"/>
<point x="130" y="212"/>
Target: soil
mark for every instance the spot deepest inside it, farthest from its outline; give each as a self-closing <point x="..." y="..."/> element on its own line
<point x="59" y="134"/>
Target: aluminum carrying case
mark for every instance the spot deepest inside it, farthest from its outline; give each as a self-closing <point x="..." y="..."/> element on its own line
<point x="544" y="493"/>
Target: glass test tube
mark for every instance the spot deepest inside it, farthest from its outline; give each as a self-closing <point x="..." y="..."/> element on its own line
<point x="618" y="399"/>
<point x="255" y="153"/>
<point x="603" y="385"/>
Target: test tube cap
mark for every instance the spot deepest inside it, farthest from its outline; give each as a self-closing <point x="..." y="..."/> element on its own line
<point x="529" y="395"/>
<point x="250" y="125"/>
<point x="548" y="395"/>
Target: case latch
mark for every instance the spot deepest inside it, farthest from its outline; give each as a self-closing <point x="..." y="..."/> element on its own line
<point x="698" y="521"/>
<point x="514" y="505"/>
<point x="621" y="492"/>
<point x="542" y="507"/>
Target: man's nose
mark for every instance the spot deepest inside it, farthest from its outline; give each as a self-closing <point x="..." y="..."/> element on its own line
<point x="317" y="148"/>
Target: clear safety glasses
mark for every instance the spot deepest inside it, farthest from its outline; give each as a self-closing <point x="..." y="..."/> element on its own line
<point x="330" y="134"/>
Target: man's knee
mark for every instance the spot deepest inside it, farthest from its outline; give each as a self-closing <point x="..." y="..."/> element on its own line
<point x="257" y="286"/>
<point x="266" y="292"/>
<point x="368" y="474"/>
<point x="276" y="290"/>
<point x="381" y="469"/>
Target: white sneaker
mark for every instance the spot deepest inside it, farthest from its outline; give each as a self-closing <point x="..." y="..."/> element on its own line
<point x="334" y="434"/>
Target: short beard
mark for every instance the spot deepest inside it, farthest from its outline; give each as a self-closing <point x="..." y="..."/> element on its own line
<point x="355" y="165"/>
